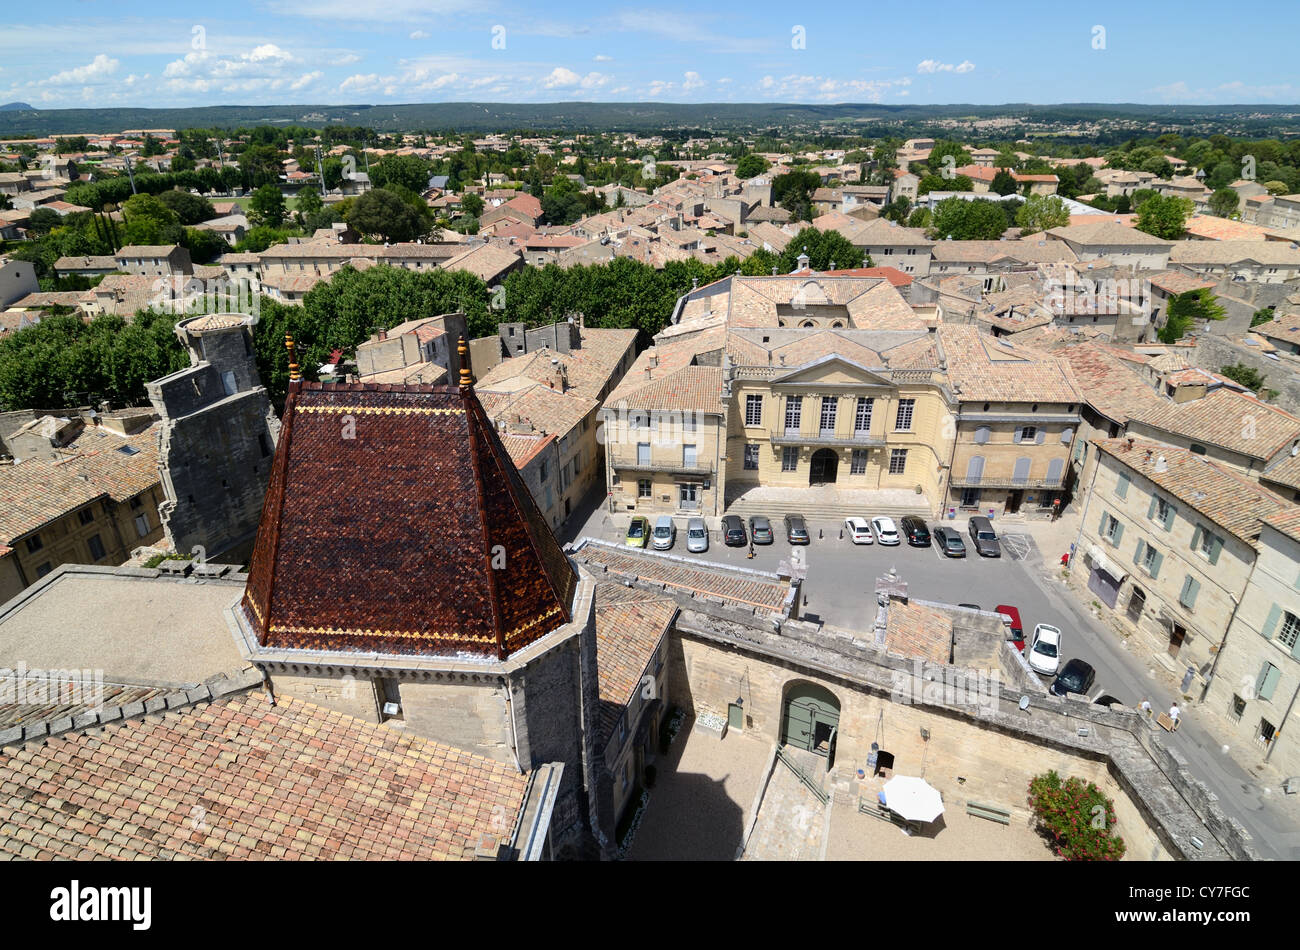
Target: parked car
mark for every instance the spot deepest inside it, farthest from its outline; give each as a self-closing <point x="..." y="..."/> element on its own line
<point x="1045" y="654"/>
<point x="971" y="606"/>
<point x="886" y="530"/>
<point x="1075" y="677"/>
<point x="665" y="533"/>
<point x="917" y="534"/>
<point x="1011" y="621"/>
<point x="950" y="541"/>
<point x="760" y="529"/>
<point x="858" y="530"/>
<point x="733" y="531"/>
<point x="984" y="537"/>
<point x="796" y="530"/>
<point x="697" y="536"/>
<point x="638" y="532"/>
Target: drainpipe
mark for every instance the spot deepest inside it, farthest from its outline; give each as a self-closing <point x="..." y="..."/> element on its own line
<point x="514" y="734"/>
<point x="718" y="441"/>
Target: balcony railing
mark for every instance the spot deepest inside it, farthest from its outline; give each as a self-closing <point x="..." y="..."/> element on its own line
<point x="797" y="437"/>
<point x="675" y="468"/>
<point x="1006" y="481"/>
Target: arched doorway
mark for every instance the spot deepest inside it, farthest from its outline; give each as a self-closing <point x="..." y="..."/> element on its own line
<point x="823" y="467"/>
<point x="810" y="719"/>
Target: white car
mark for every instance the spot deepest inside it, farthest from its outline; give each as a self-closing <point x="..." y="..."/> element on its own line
<point x="858" y="530"/>
<point x="1045" y="654"/>
<point x="886" y="530"/>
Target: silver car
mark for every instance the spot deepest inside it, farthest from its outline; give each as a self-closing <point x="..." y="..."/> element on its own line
<point x="697" y="536"/>
<point x="665" y="533"/>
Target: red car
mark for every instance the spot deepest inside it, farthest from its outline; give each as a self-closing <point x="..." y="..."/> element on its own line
<point x="1011" y="619"/>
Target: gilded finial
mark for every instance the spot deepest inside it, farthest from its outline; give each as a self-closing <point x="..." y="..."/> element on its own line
<point x="294" y="374"/>
<point x="466" y="375"/>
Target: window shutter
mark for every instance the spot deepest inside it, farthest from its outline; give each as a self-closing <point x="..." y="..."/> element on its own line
<point x="1040" y="437"/>
<point x="1191" y="587"/>
<point x="1121" y="489"/>
<point x="1170" y="512"/>
<point x="1267" y="681"/>
<point x="1020" y="434"/>
<point x="1137" y="553"/>
<point x="1270" y="625"/>
<point x="1151" y="509"/>
<point x="1155" y="565"/>
<point x="982" y="435"/>
<point x="1215" y="547"/>
<point x="1119" y="534"/>
<point x="1196" y="538"/>
<point x="1101" y="528"/>
<point x="1066" y="436"/>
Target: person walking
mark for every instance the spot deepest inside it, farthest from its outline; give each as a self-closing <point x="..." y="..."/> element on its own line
<point x="1146" y="708"/>
<point x="1173" y="714"/>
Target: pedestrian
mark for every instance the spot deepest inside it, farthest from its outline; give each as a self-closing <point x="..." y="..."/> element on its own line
<point x="1173" y="713"/>
<point x="1146" y="708"/>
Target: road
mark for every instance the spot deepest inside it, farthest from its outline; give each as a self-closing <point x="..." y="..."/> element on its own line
<point x="840" y="590"/>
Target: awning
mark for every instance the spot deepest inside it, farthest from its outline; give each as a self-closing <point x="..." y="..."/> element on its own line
<point x="1103" y="563"/>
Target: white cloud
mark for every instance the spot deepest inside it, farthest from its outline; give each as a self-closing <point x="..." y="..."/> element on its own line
<point x="306" y="79"/>
<point x="345" y="59"/>
<point x="419" y="35"/>
<point x="828" y="88"/>
<point x="602" y="58"/>
<point x="692" y="81"/>
<point x="561" y="78"/>
<point x="97" y="70"/>
<point x="934" y="66"/>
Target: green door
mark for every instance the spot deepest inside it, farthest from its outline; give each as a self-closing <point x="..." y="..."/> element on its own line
<point x="812" y="716"/>
<point x="735" y="716"/>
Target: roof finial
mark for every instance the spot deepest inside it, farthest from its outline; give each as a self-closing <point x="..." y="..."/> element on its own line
<point x="294" y="375"/>
<point x="466" y="374"/>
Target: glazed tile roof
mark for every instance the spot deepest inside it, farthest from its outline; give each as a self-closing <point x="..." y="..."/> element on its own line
<point x="38" y="491"/>
<point x="384" y="542"/>
<point x="1231" y="501"/>
<point x="241" y="779"/>
<point x="630" y="625"/>
<point x="1229" y="419"/>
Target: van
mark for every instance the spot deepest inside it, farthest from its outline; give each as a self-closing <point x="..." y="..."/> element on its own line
<point x="983" y="537"/>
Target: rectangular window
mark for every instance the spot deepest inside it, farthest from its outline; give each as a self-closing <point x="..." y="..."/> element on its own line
<point x="688" y="456"/>
<point x="862" y="416"/>
<point x="753" y="410"/>
<point x="1162" y="510"/>
<point x="1110" y="528"/>
<point x="789" y="459"/>
<point x="751" y="458"/>
<point x="1149" y="558"/>
<point x="643" y="453"/>
<point x="541" y="471"/>
<point x="1266" y="732"/>
<point x="643" y="488"/>
<point x="1236" y="708"/>
<point x="903" y="423"/>
<point x="858" y="463"/>
<point x="830" y="405"/>
<point x="1028" y="434"/>
<point x="970" y="497"/>
<point x="96" y="546"/>
<point x="897" y="461"/>
<point x="793" y="413"/>
<point x="34" y="544"/>
<point x="86" y="515"/>
<point x="1290" y="629"/>
<point x="44" y="569"/>
<point x="142" y="525"/>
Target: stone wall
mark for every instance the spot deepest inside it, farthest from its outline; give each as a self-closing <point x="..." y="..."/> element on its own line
<point x="1215" y="352"/>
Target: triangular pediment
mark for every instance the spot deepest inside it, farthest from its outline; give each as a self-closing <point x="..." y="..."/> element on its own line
<point x="832" y="370"/>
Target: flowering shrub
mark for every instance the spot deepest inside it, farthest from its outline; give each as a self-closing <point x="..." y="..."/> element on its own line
<point x="1077" y="817"/>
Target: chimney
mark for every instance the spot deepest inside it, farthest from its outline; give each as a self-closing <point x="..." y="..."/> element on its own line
<point x="1161" y="465"/>
<point x="382" y="335"/>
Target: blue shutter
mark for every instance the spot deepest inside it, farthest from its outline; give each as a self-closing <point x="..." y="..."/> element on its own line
<point x="1020" y="434"/>
<point x="1170" y="513"/>
<point x="1267" y="682"/>
<point x="1155" y="565"/>
<point x="1191" y="587"/>
<point x="1137" y="552"/>
<point x="1101" y="528"/>
<point x="1119" y="534"/>
<point x="1270" y="625"/>
<point x="1121" y="489"/>
<point x="1040" y="437"/>
<point x="1196" y="538"/>
<point x="1215" y="547"/>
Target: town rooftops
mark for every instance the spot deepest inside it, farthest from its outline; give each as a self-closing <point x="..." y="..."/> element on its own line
<point x="1233" y="252"/>
<point x="387" y="537"/>
<point x="981" y="367"/>
<point x="1286" y="520"/>
<point x="1107" y="232"/>
<point x="1228" y="419"/>
<point x="1231" y="501"/>
<point x="630" y="624"/>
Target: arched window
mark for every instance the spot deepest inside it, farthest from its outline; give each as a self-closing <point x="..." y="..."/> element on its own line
<point x="807" y="324"/>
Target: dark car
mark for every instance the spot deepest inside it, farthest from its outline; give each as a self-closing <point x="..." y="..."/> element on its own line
<point x="796" y="530"/>
<point x="760" y="529"/>
<point x="984" y="537"/>
<point x="950" y="541"/>
<point x="733" y="531"/>
<point x="917" y="534"/>
<point x="970" y="606"/>
<point x="1076" y="677"/>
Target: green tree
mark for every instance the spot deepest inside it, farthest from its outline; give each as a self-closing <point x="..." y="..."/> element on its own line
<point x="824" y="249"/>
<point x="1004" y="183"/>
<point x="943" y="149"/>
<point x="189" y="208"/>
<point x="751" y="165"/>
<point x="793" y="191"/>
<point x="204" y="246"/>
<point x="1224" y="203"/>
<point x="1141" y="196"/>
<point x="409" y="171"/>
<point x="150" y="222"/>
<point x="934" y="182"/>
<point x="962" y="220"/>
<point x="386" y="214"/>
<point x="308" y="204"/>
<point x="1077" y="817"/>
<point x="1248" y="376"/>
<point x="897" y="210"/>
<point x="1185" y="309"/>
<point x="1042" y="213"/>
<point x="1261" y="316"/>
<point x="473" y="204"/>
<point x="1164" y="216"/>
<point x="267" y="207"/>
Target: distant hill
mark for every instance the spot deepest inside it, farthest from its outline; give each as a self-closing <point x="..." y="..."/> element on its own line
<point x="861" y="119"/>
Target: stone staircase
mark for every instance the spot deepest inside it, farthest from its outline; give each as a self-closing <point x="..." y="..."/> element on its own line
<point x="827" y="503"/>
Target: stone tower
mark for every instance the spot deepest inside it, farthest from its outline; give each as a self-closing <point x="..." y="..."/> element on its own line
<point x="217" y="439"/>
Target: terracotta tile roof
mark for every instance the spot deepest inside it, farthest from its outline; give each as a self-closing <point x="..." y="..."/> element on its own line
<point x="630" y="625"/>
<point x="383" y="542"/>
<point x="1107" y="232"/>
<point x="1286" y="520"/>
<point x="1228" y="419"/>
<point x="918" y="632"/>
<point x="702" y="578"/>
<point x="241" y="779"/>
<point x="983" y="368"/>
<point x="486" y="262"/>
<point x="1179" y="282"/>
<point x="41" y="490"/>
<point x="1231" y="501"/>
<point x="1285" y="471"/>
<point x="1208" y="227"/>
<point x="1279" y="253"/>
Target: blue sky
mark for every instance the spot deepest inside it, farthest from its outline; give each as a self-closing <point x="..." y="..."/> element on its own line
<point x="97" y="53"/>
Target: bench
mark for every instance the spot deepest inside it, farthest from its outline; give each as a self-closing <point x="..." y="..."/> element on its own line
<point x="872" y="807"/>
<point x="992" y="812"/>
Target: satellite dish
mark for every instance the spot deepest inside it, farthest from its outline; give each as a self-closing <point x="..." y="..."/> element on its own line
<point x="1024" y="702"/>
